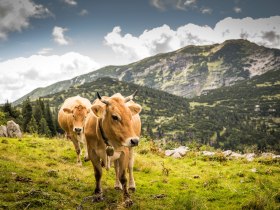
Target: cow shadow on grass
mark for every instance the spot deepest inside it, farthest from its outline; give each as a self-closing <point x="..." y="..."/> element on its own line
<point x="109" y="199"/>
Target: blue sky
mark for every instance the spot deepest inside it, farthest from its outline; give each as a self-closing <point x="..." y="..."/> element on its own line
<point x="42" y="42"/>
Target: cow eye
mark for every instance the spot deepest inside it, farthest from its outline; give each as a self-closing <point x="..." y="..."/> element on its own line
<point x="115" y="117"/>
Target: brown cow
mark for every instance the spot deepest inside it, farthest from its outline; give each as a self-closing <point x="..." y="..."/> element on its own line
<point x="71" y="118"/>
<point x="114" y="123"/>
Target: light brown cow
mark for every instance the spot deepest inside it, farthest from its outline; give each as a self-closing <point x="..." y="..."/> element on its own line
<point x="114" y="122"/>
<point x="71" y="118"/>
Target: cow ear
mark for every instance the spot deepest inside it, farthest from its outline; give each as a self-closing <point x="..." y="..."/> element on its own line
<point x="135" y="108"/>
<point x="67" y="110"/>
<point x="97" y="110"/>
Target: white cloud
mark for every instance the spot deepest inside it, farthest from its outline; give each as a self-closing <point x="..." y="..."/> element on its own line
<point x="237" y="9"/>
<point x="71" y="2"/>
<point x="44" y="51"/>
<point x="175" y="4"/>
<point x="206" y="10"/>
<point x="190" y="2"/>
<point x="58" y="35"/>
<point x="15" y="15"/>
<point x="83" y="12"/>
<point x="158" y="4"/>
<point x="263" y="31"/>
<point x="22" y="75"/>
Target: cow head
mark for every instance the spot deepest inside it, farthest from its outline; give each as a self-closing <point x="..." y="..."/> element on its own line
<point x="79" y="114"/>
<point x="117" y="119"/>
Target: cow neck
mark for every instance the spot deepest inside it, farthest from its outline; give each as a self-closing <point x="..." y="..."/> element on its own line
<point x="104" y="137"/>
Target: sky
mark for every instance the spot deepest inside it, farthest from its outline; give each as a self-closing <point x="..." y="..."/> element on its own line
<point x="46" y="41"/>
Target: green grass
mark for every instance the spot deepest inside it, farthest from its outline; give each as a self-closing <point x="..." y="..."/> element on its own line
<point x="39" y="173"/>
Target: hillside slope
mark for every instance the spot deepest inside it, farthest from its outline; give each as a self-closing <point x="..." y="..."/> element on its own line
<point x="224" y="118"/>
<point x="160" y="110"/>
<point x="38" y="173"/>
<point x="186" y="72"/>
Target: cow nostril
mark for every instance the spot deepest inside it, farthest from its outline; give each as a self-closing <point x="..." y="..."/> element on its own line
<point x="134" y="142"/>
<point x="78" y="130"/>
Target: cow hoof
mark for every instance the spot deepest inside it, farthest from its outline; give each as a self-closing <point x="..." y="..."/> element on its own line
<point x="86" y="159"/>
<point x="132" y="189"/>
<point x="79" y="163"/>
<point x="98" y="198"/>
<point x="118" y="188"/>
<point x="128" y="203"/>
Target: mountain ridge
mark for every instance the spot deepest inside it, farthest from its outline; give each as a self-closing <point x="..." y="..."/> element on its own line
<point x="188" y="72"/>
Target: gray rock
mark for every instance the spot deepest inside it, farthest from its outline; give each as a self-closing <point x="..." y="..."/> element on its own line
<point x="176" y="155"/>
<point x="227" y="153"/>
<point x="267" y="155"/>
<point x="169" y="152"/>
<point x="276" y="156"/>
<point x="207" y="153"/>
<point x="182" y="150"/>
<point x="236" y="155"/>
<point x="250" y="156"/>
<point x="3" y="131"/>
<point x="13" y="129"/>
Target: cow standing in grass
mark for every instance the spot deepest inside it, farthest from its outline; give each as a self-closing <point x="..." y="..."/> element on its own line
<point x="112" y="129"/>
<point x="71" y="118"/>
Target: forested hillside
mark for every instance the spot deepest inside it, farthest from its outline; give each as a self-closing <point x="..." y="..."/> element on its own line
<point x="243" y="117"/>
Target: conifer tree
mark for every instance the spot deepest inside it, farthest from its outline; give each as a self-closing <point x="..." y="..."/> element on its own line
<point x="49" y="119"/>
<point x="38" y="113"/>
<point x="9" y="110"/>
<point x="26" y="113"/>
<point x="32" y="126"/>
<point x="43" y="128"/>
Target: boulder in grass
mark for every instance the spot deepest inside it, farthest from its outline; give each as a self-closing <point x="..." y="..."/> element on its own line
<point x="236" y="155"/>
<point x="178" y="152"/>
<point x="207" y="153"/>
<point x="227" y="153"/>
<point x="267" y="155"/>
<point x="13" y="129"/>
<point x="176" y="155"/>
<point x="169" y="152"/>
<point x="182" y="150"/>
<point x="250" y="156"/>
<point x="276" y="157"/>
<point x="3" y="131"/>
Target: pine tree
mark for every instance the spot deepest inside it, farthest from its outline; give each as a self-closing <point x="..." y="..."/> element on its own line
<point x="32" y="126"/>
<point x="11" y="112"/>
<point x="38" y="113"/>
<point x="43" y="128"/>
<point x="26" y="113"/>
<point x="49" y="119"/>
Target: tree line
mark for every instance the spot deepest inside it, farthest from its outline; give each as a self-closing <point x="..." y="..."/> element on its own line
<point x="34" y="118"/>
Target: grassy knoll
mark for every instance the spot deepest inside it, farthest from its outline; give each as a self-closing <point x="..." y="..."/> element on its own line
<point x="39" y="173"/>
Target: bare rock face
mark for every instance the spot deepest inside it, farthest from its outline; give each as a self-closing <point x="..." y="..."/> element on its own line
<point x="3" y="131"/>
<point x="13" y="129"/>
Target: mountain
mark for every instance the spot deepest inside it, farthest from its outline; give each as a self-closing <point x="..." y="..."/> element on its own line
<point x="244" y="116"/>
<point x="157" y="113"/>
<point x="188" y="72"/>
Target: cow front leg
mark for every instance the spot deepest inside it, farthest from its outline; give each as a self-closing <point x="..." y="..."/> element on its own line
<point x="78" y="150"/>
<point x="123" y="165"/>
<point x="97" y="174"/>
<point x="132" y="186"/>
<point x="118" y="185"/>
<point x="86" y="158"/>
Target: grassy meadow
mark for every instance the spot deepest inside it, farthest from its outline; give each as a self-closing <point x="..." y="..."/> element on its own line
<point x="41" y="173"/>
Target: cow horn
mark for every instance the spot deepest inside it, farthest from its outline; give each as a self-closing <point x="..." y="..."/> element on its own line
<point x="129" y="98"/>
<point x="102" y="100"/>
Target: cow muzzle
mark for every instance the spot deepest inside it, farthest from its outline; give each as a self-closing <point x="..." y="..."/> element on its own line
<point x="78" y="130"/>
<point x="132" y="142"/>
